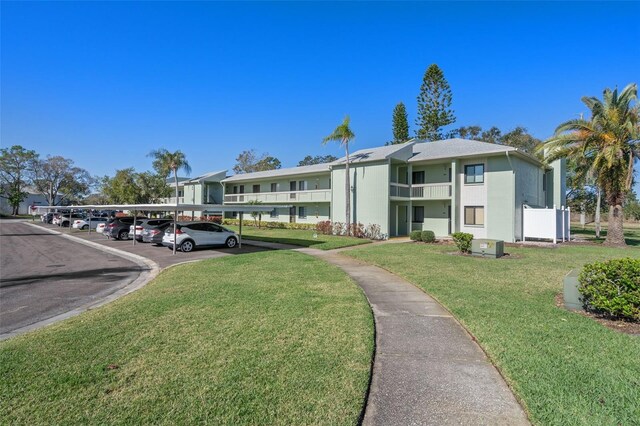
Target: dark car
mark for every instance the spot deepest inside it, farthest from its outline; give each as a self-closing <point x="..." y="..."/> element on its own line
<point x="118" y="228"/>
<point x="141" y="224"/>
<point x="154" y="234"/>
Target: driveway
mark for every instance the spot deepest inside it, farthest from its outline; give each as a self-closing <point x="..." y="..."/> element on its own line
<point x="43" y="275"/>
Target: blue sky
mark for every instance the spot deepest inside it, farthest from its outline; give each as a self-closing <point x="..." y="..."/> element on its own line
<point x="105" y="83"/>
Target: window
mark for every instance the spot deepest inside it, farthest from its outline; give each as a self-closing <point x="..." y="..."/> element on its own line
<point x="235" y="189"/>
<point x="418" y="214"/>
<point x="302" y="212"/>
<point x="256" y="189"/>
<point x="474" y="215"/>
<point x="274" y="213"/>
<point x="417" y="178"/>
<point x="274" y="187"/>
<point x="242" y="189"/>
<point x="474" y="173"/>
<point x="302" y="185"/>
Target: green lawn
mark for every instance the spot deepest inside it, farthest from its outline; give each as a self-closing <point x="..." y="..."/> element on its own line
<point x="263" y="338"/>
<point x="631" y="233"/>
<point x="566" y="368"/>
<point x="298" y="237"/>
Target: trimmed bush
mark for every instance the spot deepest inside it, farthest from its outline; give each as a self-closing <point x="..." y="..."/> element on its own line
<point x="324" y="227"/>
<point x="416" y="235"/>
<point x="612" y="288"/>
<point x="463" y="241"/>
<point x="428" y="236"/>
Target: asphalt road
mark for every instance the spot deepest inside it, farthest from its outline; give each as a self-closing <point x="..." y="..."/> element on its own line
<point x="43" y="275"/>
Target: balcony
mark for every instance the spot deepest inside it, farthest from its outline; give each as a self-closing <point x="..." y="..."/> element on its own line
<point x="287" y="197"/>
<point x="426" y="191"/>
<point x="172" y="200"/>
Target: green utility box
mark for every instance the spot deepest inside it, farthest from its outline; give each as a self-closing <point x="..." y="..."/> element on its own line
<point x="487" y="248"/>
<point x="572" y="296"/>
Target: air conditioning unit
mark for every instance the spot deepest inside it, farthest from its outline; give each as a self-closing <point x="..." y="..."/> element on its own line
<point x="487" y="248"/>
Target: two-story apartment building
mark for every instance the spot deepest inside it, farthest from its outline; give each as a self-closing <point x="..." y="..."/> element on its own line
<point x="444" y="186"/>
<point x="204" y="189"/>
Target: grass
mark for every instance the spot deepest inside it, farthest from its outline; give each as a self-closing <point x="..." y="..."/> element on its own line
<point x="631" y="233"/>
<point x="298" y="237"/>
<point x="566" y="368"/>
<point x="264" y="338"/>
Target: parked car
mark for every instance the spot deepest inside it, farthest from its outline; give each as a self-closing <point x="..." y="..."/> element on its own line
<point x="154" y="234"/>
<point x="100" y="227"/>
<point x="190" y="235"/>
<point x="144" y="223"/>
<point x="66" y="219"/>
<point x="56" y="219"/>
<point x="88" y="222"/>
<point x="47" y="217"/>
<point x="118" y="228"/>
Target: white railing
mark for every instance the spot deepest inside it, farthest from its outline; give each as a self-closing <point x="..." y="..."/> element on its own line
<point x="399" y="190"/>
<point x="546" y="224"/>
<point x="427" y="191"/>
<point x="316" y="195"/>
<point x="172" y="200"/>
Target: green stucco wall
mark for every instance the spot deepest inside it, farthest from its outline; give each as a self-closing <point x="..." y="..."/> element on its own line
<point x="370" y="196"/>
<point x="500" y="186"/>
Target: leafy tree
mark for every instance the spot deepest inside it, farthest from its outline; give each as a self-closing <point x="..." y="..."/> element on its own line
<point x="257" y="215"/>
<point x="318" y="159"/>
<point x="122" y="188"/>
<point x="57" y="176"/>
<point x="343" y="134"/>
<point x="129" y="187"/>
<point x="434" y="105"/>
<point x="400" y="124"/>
<point x="248" y="161"/>
<point x="16" y="168"/>
<point x="610" y="142"/>
<point x="519" y="138"/>
<point x="165" y="163"/>
<point x="493" y="135"/>
<point x="468" y="132"/>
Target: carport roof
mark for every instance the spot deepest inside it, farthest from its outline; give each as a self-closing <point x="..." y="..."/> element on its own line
<point x="173" y="207"/>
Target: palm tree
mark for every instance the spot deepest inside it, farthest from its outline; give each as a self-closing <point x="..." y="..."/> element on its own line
<point x="165" y="162"/>
<point x="344" y="135"/>
<point x="610" y="142"/>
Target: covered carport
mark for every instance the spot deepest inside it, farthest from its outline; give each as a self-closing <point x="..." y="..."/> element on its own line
<point x="173" y="208"/>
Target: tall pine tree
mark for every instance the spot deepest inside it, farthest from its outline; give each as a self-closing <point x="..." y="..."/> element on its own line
<point x="400" y="124"/>
<point x="434" y="105"/>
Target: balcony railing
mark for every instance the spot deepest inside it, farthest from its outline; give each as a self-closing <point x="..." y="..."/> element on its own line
<point x="426" y="191"/>
<point x="316" y="195"/>
<point x="172" y="200"/>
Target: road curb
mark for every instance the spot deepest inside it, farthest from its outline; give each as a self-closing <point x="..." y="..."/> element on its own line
<point x="148" y="271"/>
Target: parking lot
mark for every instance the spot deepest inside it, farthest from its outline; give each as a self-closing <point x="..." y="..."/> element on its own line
<point x="43" y="275"/>
<point x="163" y="256"/>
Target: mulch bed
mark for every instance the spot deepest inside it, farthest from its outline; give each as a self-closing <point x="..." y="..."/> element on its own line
<point x="621" y="326"/>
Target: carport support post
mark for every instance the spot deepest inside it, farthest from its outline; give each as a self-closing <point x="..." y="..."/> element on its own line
<point x="175" y="227"/>
<point x="135" y="215"/>
<point x="240" y="236"/>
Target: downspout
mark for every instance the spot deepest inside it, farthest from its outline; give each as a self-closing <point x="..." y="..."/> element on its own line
<point x="513" y="203"/>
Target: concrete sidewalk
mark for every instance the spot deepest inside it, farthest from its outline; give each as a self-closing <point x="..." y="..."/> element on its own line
<point x="427" y="368"/>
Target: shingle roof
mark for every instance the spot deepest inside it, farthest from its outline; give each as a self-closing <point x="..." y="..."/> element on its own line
<point x="454" y="148"/>
<point x="373" y="154"/>
<point x="316" y="168"/>
<point x="206" y="175"/>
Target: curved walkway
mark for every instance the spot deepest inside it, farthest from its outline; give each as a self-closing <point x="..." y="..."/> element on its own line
<point x="427" y="368"/>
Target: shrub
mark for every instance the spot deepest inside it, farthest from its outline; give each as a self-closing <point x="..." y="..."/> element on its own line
<point x="428" y="236"/>
<point x="463" y="241"/>
<point x="416" y="235"/>
<point x="324" y="227"/>
<point x="612" y="288"/>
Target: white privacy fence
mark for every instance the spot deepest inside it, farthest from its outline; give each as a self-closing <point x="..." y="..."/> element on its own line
<point x="546" y="224"/>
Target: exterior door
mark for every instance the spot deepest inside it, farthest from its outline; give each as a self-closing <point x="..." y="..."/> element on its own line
<point x="292" y="188"/>
<point x="292" y="214"/>
<point x="403" y="220"/>
<point x="449" y="215"/>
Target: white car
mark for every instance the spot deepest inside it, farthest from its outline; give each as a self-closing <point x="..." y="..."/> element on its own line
<point x="85" y="223"/>
<point x="198" y="234"/>
<point x="100" y="227"/>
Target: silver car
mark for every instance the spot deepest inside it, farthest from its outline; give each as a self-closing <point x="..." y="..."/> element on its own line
<point x="199" y="234"/>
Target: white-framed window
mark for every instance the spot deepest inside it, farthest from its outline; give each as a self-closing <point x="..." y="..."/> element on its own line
<point x="274" y="213"/>
<point x="474" y="173"/>
<point x="274" y="187"/>
<point x="302" y="185"/>
<point x="417" y="178"/>
<point x="302" y="212"/>
<point x="474" y="215"/>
